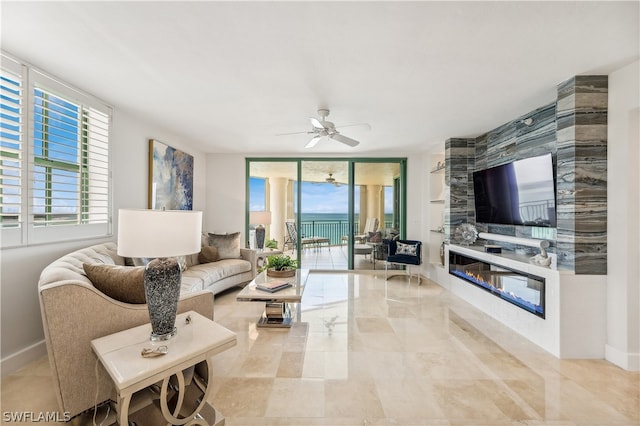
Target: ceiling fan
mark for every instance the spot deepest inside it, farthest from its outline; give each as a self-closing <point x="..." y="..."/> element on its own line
<point x="321" y="128"/>
<point x="332" y="180"/>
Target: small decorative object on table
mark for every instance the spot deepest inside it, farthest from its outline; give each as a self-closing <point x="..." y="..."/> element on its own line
<point x="280" y="266"/>
<point x="466" y="234"/>
<point x="492" y="248"/>
<point x="543" y="258"/>
<point x="273" y="286"/>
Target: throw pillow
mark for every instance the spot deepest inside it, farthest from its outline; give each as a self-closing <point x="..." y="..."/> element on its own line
<point x="407" y="249"/>
<point x="375" y="237"/>
<point x="123" y="283"/>
<point x="208" y="254"/>
<point x="228" y="245"/>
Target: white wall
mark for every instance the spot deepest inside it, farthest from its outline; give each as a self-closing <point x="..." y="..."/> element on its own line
<point x="623" y="158"/>
<point x="20" y="323"/>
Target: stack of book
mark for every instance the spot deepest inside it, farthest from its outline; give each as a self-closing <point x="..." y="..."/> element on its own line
<point x="273" y="286"/>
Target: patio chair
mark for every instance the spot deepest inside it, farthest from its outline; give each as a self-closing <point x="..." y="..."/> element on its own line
<point x="403" y="252"/>
<point x="292" y="236"/>
<point x="371" y="225"/>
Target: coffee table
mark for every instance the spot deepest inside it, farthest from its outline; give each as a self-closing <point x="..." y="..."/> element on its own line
<point x="278" y="310"/>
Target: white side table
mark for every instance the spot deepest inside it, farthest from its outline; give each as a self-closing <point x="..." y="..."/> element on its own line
<point x="197" y="341"/>
<point x="261" y="256"/>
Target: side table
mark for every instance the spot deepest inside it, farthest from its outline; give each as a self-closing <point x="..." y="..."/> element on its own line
<point x="261" y="256"/>
<point x="198" y="339"/>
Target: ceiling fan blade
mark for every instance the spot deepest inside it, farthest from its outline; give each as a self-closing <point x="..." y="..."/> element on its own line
<point x="367" y="125"/>
<point x="294" y="133"/>
<point x="316" y="123"/>
<point x="313" y="142"/>
<point x="345" y="140"/>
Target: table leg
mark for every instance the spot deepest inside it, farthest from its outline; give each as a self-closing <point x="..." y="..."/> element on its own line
<point x="122" y="408"/>
<point x="193" y="418"/>
<point x="276" y="314"/>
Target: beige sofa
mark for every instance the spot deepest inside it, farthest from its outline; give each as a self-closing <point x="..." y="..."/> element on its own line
<point x="74" y="312"/>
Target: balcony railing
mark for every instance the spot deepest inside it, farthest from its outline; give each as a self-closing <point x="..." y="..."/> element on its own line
<point x="332" y="229"/>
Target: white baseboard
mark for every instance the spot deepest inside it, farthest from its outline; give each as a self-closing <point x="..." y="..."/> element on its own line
<point x="625" y="360"/>
<point x="18" y="360"/>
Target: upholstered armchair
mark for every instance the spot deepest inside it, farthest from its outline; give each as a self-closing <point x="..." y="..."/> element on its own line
<point x="403" y="252"/>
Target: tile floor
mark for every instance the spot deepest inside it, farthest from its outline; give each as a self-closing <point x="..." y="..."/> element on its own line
<point x="334" y="258"/>
<point x="368" y="352"/>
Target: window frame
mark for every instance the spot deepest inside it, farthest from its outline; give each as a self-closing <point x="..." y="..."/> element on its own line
<point x="31" y="231"/>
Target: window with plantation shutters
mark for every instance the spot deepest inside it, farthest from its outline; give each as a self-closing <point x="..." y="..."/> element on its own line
<point x="55" y="161"/>
<point x="11" y="140"/>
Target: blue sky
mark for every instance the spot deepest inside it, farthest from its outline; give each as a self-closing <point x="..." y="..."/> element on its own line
<point x="316" y="197"/>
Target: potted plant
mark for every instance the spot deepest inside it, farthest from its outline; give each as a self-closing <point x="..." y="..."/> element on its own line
<point x="272" y="244"/>
<point x="280" y="266"/>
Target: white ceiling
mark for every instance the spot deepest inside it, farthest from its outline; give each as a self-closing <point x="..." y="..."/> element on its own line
<point x="229" y="76"/>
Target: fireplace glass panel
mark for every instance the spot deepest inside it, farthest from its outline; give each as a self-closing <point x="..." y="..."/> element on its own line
<point x="519" y="288"/>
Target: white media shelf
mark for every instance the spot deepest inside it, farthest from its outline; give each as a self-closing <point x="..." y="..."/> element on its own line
<point x="575" y="305"/>
<point x="435" y="213"/>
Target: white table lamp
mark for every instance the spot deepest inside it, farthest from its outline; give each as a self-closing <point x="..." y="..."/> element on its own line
<point x="161" y="235"/>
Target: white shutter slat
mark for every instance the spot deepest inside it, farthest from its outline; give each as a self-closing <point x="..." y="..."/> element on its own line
<point x="11" y="145"/>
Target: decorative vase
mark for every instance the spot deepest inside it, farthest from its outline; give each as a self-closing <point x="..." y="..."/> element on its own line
<point x="281" y="274"/>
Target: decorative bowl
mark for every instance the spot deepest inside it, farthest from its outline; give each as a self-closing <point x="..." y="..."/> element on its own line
<point x="281" y="274"/>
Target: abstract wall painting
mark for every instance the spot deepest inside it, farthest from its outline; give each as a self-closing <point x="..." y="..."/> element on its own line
<point x="170" y="178"/>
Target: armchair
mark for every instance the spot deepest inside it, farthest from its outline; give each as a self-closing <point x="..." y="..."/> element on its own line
<point x="403" y="252"/>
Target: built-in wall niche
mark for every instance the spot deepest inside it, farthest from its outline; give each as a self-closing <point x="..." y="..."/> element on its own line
<point x="522" y="289"/>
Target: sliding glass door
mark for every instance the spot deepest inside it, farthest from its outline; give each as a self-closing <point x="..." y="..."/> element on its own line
<point x="324" y="218"/>
<point x="378" y="209"/>
<point x="330" y="214"/>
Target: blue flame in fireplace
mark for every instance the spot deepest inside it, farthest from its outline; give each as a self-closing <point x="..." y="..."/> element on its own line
<point x="508" y="296"/>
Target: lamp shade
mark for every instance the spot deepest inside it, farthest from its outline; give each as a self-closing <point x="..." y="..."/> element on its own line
<point x="158" y="233"/>
<point x="260" y="218"/>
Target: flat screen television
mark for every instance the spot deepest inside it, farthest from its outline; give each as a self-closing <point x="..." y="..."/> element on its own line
<point x="518" y="193"/>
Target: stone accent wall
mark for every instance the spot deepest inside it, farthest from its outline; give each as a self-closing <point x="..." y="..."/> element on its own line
<point x="458" y="204"/>
<point x="582" y="174"/>
<point x="574" y="131"/>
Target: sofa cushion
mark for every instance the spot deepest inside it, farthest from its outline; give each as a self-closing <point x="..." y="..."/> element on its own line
<point x="208" y="254"/>
<point x="216" y="271"/>
<point x="191" y="282"/>
<point x="228" y="245"/>
<point x="123" y="283"/>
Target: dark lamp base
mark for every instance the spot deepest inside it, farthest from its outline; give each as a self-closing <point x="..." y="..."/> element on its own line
<point x="260" y="237"/>
<point x="160" y="337"/>
<point x="162" y="278"/>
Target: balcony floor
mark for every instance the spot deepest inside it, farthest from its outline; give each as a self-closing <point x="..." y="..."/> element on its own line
<point x="334" y="258"/>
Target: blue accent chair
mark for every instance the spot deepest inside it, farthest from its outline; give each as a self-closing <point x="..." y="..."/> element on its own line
<point x="403" y="252"/>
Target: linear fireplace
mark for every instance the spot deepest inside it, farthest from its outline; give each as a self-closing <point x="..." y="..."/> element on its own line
<point x="520" y="288"/>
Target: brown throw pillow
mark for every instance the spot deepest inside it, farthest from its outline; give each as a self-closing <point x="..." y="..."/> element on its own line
<point x="228" y="245"/>
<point x="208" y="254"/>
<point x="123" y="283"/>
